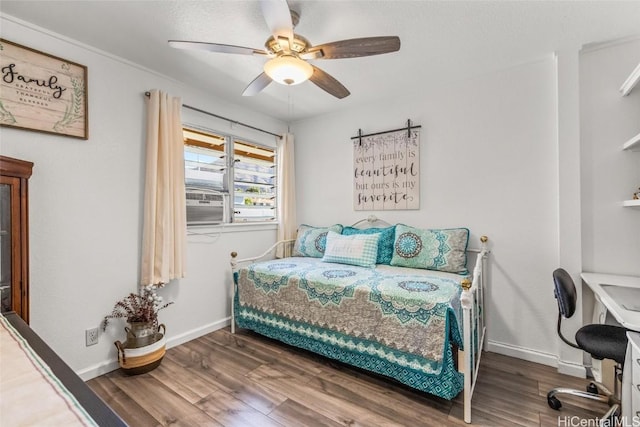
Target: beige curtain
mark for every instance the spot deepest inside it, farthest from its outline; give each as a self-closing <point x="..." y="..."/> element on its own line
<point x="286" y="190"/>
<point x="164" y="228"/>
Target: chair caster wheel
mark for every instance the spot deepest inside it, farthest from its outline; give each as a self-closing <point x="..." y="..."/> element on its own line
<point x="554" y="403"/>
<point x="591" y="388"/>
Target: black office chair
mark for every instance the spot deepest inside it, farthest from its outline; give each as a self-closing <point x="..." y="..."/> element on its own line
<point x="601" y="341"/>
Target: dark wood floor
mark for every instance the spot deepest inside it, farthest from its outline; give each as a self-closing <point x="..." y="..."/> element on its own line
<point x="248" y="380"/>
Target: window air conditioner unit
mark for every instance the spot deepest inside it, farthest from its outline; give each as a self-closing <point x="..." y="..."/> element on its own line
<point x="206" y="206"/>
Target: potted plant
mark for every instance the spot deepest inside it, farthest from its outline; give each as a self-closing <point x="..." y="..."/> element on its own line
<point x="139" y="308"/>
<point x="145" y="344"/>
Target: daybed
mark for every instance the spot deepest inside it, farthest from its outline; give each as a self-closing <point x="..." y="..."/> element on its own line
<point x="354" y="295"/>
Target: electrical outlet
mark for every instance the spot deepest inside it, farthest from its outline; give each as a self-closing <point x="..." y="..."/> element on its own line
<point x="91" y="336"/>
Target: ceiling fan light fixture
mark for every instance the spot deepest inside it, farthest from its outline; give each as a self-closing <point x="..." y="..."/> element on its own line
<point x="288" y="70"/>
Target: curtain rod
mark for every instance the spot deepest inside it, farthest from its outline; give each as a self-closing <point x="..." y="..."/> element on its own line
<point x="407" y="128"/>
<point x="148" y="94"/>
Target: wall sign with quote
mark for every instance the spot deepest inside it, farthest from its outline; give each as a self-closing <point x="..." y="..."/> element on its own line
<point x="386" y="170"/>
<point x="42" y="92"/>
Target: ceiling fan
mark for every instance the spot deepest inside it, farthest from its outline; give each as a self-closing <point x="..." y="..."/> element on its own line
<point x="289" y="52"/>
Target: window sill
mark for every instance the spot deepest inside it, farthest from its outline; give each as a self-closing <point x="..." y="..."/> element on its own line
<point x="235" y="227"/>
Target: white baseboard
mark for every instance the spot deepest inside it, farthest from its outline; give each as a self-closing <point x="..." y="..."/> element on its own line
<point x="111" y="365"/>
<point x="98" y="369"/>
<point x="198" y="332"/>
<point x="537" y="357"/>
<point x="523" y="353"/>
<point x="572" y="369"/>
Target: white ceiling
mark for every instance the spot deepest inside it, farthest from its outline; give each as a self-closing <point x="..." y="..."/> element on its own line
<point x="442" y="41"/>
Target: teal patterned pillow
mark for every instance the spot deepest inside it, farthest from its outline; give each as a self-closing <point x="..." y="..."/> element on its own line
<point x="311" y="241"/>
<point x="357" y="249"/>
<point x="442" y="250"/>
<point x="386" y="239"/>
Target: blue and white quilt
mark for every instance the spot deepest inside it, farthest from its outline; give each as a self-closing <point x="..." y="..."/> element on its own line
<point x="394" y="321"/>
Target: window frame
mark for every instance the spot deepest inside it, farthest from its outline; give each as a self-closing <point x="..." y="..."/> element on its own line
<point x="229" y="187"/>
<point x="258" y="159"/>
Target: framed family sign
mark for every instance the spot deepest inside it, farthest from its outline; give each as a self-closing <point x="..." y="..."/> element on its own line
<point x="42" y="92"/>
<point x="386" y="170"/>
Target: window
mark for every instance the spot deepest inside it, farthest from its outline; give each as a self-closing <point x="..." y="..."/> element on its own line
<point x="204" y="160"/>
<point x="228" y="179"/>
<point x="254" y="182"/>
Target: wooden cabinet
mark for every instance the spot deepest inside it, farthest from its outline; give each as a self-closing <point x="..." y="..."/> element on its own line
<point x="14" y="236"/>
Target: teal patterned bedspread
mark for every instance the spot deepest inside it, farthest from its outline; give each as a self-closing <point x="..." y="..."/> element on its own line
<point x="394" y="321"/>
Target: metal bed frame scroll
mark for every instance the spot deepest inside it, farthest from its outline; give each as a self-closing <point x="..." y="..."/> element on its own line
<point x="471" y="301"/>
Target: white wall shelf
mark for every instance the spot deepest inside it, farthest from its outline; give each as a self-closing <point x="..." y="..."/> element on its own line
<point x="631" y="82"/>
<point x="631" y="203"/>
<point x="633" y="144"/>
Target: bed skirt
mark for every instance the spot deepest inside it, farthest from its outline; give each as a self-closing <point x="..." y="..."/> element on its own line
<point x="447" y="384"/>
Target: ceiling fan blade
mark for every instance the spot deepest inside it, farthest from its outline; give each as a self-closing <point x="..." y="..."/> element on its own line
<point x="215" y="47"/>
<point x="257" y="85"/>
<point x="327" y="83"/>
<point x="278" y="17"/>
<point x="353" y="48"/>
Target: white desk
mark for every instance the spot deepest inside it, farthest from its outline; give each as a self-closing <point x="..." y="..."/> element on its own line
<point x="630" y="319"/>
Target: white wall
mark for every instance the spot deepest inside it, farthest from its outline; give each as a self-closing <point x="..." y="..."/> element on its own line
<point x="610" y="233"/>
<point x="488" y="161"/>
<point x="86" y="210"/>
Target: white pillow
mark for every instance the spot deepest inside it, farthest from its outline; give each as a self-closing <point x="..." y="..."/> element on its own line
<point x="357" y="249"/>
